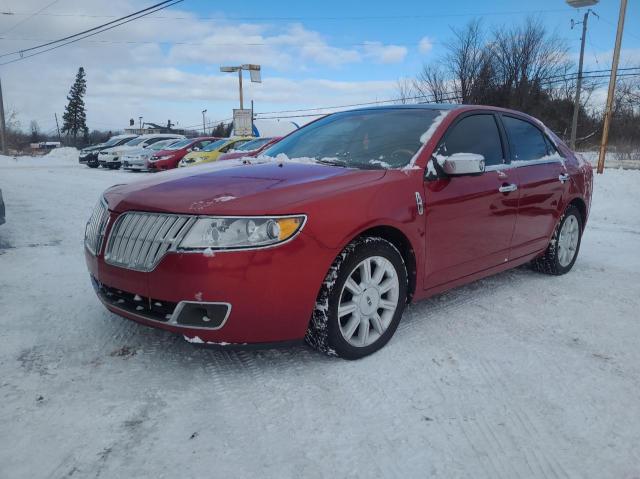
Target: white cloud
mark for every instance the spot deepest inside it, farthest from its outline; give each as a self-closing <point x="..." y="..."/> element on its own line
<point x="425" y="45"/>
<point x="380" y="53"/>
<point x="167" y="67"/>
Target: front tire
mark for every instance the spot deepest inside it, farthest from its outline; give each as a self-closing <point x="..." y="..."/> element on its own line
<point x="562" y="252"/>
<point x="361" y="300"/>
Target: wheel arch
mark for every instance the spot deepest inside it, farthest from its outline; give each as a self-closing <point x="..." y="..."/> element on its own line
<point x="580" y="204"/>
<point x="397" y="238"/>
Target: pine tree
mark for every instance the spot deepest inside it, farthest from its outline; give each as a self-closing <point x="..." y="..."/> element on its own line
<point x="75" y="118"/>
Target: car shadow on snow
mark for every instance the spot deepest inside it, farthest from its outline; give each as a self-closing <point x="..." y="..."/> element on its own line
<point x="139" y="342"/>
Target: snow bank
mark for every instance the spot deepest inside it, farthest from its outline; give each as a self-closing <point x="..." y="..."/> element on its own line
<point x="58" y="156"/>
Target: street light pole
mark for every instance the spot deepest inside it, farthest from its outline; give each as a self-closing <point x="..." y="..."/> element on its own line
<point x="204" y="130"/>
<point x="612" y="87"/>
<point x="576" y="105"/>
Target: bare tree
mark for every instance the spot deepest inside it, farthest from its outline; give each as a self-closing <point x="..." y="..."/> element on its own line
<point x="432" y="85"/>
<point x="404" y="91"/>
<point x="466" y="59"/>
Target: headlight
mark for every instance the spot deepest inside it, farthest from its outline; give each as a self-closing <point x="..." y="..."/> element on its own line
<point x="158" y="158"/>
<point x="238" y="233"/>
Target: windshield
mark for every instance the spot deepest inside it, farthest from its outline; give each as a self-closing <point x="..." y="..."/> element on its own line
<point x="253" y="144"/>
<point x="215" y="145"/>
<point x="179" y="144"/>
<point x="160" y="145"/>
<point x="113" y="141"/>
<point x="365" y="139"/>
<point x="135" y="141"/>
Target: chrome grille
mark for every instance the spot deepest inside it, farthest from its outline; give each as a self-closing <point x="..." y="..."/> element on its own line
<point x="139" y="240"/>
<point x="96" y="226"/>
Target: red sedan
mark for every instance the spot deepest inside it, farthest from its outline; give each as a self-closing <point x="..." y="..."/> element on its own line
<point x="169" y="158"/>
<point x="343" y="223"/>
<point x="250" y="148"/>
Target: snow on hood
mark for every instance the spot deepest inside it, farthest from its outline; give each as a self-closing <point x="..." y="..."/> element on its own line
<point x="261" y="185"/>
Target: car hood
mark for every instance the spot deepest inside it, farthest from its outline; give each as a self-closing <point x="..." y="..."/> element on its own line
<point x="236" y="187"/>
<point x="89" y="149"/>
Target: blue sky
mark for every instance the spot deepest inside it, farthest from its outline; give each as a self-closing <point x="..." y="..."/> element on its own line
<point x="313" y="53"/>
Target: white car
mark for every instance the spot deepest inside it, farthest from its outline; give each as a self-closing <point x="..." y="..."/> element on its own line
<point x="110" y="157"/>
<point x="137" y="159"/>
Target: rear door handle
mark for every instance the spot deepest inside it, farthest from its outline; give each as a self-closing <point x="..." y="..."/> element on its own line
<point x="563" y="177"/>
<point x="508" y="188"/>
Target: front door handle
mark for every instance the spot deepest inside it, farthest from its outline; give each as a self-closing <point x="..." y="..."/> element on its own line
<point x="563" y="177"/>
<point x="508" y="188"/>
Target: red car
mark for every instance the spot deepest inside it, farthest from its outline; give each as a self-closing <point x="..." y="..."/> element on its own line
<point x="169" y="158"/>
<point x="343" y="223"/>
<point x="250" y="148"/>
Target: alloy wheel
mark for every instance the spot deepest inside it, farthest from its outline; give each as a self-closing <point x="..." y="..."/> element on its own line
<point x="368" y="301"/>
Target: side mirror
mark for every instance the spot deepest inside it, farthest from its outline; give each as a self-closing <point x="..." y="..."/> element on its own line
<point x="460" y="164"/>
<point x="195" y="148"/>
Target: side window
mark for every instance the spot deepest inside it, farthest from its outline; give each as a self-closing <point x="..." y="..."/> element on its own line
<point x="202" y="144"/>
<point x="526" y="141"/>
<point x="474" y="134"/>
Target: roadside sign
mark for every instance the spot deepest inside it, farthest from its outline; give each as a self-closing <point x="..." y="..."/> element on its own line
<point x="242" y="122"/>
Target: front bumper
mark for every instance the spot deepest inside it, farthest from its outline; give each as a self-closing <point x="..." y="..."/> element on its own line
<point x="270" y="297"/>
<point x="133" y="164"/>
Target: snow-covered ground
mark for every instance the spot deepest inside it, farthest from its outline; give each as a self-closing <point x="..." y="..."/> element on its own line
<point x="519" y="375"/>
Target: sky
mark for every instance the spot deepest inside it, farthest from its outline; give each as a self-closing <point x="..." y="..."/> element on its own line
<point x="313" y="54"/>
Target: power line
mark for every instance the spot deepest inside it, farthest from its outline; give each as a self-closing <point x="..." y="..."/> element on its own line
<point x="92" y="31"/>
<point x="321" y="18"/>
<point x="29" y="17"/>
<point x="450" y="95"/>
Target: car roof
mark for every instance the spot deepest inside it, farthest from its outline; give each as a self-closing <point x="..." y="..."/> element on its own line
<point x="417" y="106"/>
<point x="161" y="135"/>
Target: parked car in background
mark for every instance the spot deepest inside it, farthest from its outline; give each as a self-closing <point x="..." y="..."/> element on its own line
<point x="110" y="157"/>
<point x="250" y="148"/>
<point x="2" y="210"/>
<point x="212" y="151"/>
<point x="373" y="208"/>
<point x="168" y="158"/>
<point x="137" y="159"/>
<point x="89" y="155"/>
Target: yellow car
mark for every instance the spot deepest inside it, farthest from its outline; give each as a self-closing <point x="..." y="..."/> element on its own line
<point x="213" y="150"/>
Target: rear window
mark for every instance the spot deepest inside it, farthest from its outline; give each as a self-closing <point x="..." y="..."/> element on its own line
<point x="526" y="141"/>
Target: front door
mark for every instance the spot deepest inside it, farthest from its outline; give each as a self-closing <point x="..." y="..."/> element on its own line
<point x="470" y="219"/>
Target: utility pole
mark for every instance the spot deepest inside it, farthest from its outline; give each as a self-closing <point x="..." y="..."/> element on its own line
<point x="140" y="122"/>
<point x="240" y="84"/>
<point x="204" y="129"/>
<point x="58" y="127"/>
<point x="3" y="133"/>
<point x="612" y="87"/>
<point x="576" y="105"/>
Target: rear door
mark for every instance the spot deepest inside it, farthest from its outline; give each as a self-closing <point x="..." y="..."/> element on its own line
<point x="469" y="220"/>
<point x="542" y="181"/>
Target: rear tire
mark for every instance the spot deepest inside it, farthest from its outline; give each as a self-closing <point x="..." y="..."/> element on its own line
<point x="562" y="252"/>
<point x="361" y="300"/>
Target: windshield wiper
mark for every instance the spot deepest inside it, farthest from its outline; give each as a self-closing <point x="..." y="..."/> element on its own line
<point x="332" y="162"/>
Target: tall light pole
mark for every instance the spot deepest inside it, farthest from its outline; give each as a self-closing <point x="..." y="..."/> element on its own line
<point x="576" y="104"/>
<point x="254" y="70"/>
<point x="612" y="86"/>
<point x="140" y="122"/>
<point x="204" y="130"/>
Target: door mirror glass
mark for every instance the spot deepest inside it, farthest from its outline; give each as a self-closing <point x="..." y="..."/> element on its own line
<point x="462" y="164"/>
<point x="195" y="148"/>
